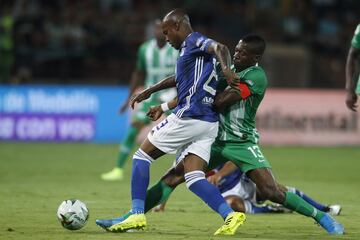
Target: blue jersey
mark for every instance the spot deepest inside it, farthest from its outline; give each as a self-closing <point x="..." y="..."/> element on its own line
<point x="196" y="79"/>
<point x="230" y="181"/>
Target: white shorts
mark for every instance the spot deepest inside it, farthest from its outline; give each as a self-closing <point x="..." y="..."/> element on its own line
<point x="245" y="189"/>
<point x="184" y="136"/>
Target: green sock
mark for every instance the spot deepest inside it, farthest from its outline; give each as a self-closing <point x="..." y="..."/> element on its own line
<point x="299" y="205"/>
<point x="126" y="146"/>
<point x="157" y="194"/>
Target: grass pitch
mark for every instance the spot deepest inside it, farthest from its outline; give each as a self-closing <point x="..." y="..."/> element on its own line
<point x="36" y="177"/>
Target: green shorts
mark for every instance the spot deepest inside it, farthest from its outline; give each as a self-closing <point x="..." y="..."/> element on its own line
<point x="246" y="155"/>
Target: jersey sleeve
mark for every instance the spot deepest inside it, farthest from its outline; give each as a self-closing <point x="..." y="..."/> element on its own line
<point x="355" y="42"/>
<point x="140" y="59"/>
<point x="255" y="79"/>
<point x="201" y="42"/>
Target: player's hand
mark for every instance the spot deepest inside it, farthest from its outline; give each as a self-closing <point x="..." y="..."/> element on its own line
<point x="232" y="78"/>
<point x="124" y="106"/>
<point x="214" y="179"/>
<point x="351" y="99"/>
<point x="139" y="97"/>
<point x="159" y="208"/>
<point x="155" y="113"/>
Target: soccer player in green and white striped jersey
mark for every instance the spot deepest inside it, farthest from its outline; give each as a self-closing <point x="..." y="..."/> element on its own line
<point x="352" y="74"/>
<point x="156" y="60"/>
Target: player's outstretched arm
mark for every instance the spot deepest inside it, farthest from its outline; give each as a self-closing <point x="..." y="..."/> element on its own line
<point x="223" y="56"/>
<point x="168" y="82"/>
<point x="351" y="96"/>
<point x="226" y="170"/>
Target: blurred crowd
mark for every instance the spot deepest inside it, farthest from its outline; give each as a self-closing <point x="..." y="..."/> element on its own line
<point x="95" y="41"/>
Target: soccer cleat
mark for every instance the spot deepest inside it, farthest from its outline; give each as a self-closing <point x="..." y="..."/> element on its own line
<point x="106" y="223"/>
<point x="134" y="221"/>
<point x="334" y="209"/>
<point x="330" y="225"/>
<point x="114" y="175"/>
<point x="232" y="222"/>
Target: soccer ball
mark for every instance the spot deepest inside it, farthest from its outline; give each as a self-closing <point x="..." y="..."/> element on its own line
<point x="72" y="214"/>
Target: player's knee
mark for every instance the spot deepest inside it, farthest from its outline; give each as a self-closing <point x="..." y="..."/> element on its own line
<point x="236" y="204"/>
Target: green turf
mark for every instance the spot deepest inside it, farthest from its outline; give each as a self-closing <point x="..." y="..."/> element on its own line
<point x="35" y="178"/>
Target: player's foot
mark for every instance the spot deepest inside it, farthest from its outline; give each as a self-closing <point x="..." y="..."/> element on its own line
<point x="106" y="223"/>
<point x="232" y="222"/>
<point x="115" y="174"/>
<point x="134" y="221"/>
<point x="330" y="225"/>
<point x="334" y="209"/>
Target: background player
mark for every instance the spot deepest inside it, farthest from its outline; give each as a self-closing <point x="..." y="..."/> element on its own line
<point x="156" y="60"/>
<point x="192" y="127"/>
<point x="352" y="74"/>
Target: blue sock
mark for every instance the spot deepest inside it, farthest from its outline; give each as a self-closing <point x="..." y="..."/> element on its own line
<point x="309" y="200"/>
<point x="140" y="180"/>
<point x="210" y="194"/>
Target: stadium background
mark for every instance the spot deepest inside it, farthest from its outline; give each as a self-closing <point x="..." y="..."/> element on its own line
<point x="65" y="67"/>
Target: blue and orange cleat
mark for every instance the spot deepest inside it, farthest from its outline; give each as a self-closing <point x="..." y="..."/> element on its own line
<point x="331" y="225"/>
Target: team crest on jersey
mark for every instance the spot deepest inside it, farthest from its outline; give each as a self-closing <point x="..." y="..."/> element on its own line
<point x="207" y="100"/>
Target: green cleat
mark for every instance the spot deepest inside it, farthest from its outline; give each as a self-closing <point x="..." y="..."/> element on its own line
<point x="114" y="175"/>
<point x="134" y="221"/>
<point x="232" y="222"/>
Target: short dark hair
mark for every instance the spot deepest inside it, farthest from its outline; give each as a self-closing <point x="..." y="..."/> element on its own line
<point x="256" y="42"/>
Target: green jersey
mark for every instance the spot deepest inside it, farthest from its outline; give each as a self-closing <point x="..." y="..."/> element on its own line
<point x="157" y="63"/>
<point x="237" y="124"/>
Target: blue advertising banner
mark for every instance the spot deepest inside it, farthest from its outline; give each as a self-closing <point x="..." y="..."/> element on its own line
<point x="62" y="113"/>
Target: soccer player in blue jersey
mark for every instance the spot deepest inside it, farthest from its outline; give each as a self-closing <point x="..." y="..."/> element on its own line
<point x="190" y="129"/>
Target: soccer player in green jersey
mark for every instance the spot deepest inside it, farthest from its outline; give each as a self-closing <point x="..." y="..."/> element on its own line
<point x="352" y="74"/>
<point x="238" y="138"/>
<point x="155" y="60"/>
